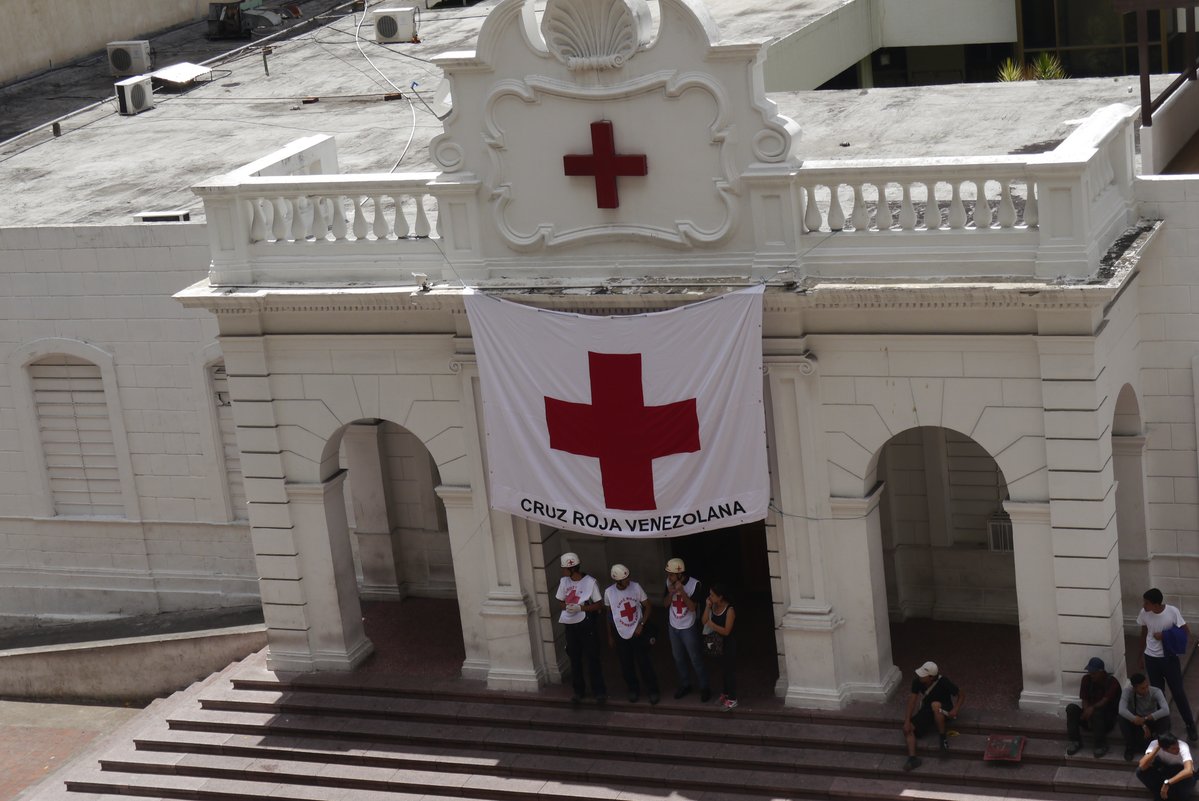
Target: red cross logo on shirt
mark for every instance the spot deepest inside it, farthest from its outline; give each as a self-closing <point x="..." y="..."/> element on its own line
<point x="605" y="164"/>
<point x="628" y="610"/>
<point x="678" y="604"/>
<point x="572" y="596"/>
<point x="621" y="431"/>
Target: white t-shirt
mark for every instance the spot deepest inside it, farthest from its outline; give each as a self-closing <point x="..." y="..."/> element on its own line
<point x="626" y="608"/>
<point x="583" y="591"/>
<point x="1182" y="757"/>
<point x="680" y="616"/>
<point x="1157" y="622"/>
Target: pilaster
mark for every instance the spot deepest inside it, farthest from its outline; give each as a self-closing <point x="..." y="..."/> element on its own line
<point x="377" y="549"/>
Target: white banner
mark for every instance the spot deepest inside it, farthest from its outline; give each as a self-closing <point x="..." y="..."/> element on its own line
<point x="637" y="426"/>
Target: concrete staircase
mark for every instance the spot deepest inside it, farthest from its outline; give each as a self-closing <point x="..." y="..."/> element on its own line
<point x="241" y="738"/>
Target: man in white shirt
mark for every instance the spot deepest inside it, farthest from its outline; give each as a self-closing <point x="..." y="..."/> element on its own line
<point x="580" y="597"/>
<point x="1163" y="667"/>
<point x="628" y="608"/>
<point x="1167" y="769"/>
<point x="684" y="594"/>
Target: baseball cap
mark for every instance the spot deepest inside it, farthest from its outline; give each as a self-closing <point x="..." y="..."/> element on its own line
<point x="1094" y="664"/>
<point x="927" y="669"/>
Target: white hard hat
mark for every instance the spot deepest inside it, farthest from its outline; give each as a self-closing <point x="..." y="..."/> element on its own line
<point x="620" y="572"/>
<point x="676" y="566"/>
<point x="569" y="560"/>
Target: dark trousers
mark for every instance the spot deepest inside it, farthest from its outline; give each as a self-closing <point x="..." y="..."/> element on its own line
<point x="582" y="646"/>
<point x="634" y="656"/>
<point x="1167" y="670"/>
<point x="1101" y="722"/>
<point x="1157" y="773"/>
<point x="728" y="667"/>
<point x="1134" y="737"/>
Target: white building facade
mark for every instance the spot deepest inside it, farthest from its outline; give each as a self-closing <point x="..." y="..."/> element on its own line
<point x="976" y="411"/>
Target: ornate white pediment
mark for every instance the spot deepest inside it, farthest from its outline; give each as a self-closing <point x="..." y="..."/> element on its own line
<point x="590" y="127"/>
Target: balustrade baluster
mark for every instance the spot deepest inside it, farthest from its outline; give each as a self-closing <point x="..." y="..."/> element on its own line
<point x="836" y="216"/>
<point x="883" y="218"/>
<point x="932" y="210"/>
<point x="957" y="209"/>
<point x="1032" y="216"/>
<point x="401" y="219"/>
<point x="422" y="218"/>
<point x="812" y="219"/>
<point x="257" y="220"/>
<point x="278" y="223"/>
<point x="337" y="209"/>
<point x="322" y="217"/>
<point x="907" y="212"/>
<point x="982" y="209"/>
<point x="298" y="231"/>
<point x="380" y="227"/>
<point x="359" y="227"/>
<point x="861" y="215"/>
<point x="1007" y="208"/>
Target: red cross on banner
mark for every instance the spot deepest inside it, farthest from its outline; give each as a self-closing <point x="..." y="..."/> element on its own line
<point x="628" y="610"/>
<point x="621" y="431"/>
<point x="605" y="164"/>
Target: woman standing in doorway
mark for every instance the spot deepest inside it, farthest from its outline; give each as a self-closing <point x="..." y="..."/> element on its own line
<point x="720" y="616"/>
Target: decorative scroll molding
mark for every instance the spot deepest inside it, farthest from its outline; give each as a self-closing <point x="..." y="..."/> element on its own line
<point x="672" y="84"/>
<point x="595" y="34"/>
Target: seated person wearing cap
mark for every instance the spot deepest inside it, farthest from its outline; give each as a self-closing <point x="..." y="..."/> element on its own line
<point x="1099" y="694"/>
<point x="1167" y="770"/>
<point x="934" y="700"/>
<point x="580" y="597"/>
<point x="1144" y="714"/>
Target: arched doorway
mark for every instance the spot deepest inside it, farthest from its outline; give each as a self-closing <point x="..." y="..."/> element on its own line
<point x="949" y="560"/>
<point x="1128" y="469"/>
<point x="400" y="545"/>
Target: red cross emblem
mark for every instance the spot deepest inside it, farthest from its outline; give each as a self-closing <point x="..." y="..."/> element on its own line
<point x="572" y="596"/>
<point x="605" y="164"/>
<point x="628" y="610"/>
<point x="679" y="605"/>
<point x="621" y="431"/>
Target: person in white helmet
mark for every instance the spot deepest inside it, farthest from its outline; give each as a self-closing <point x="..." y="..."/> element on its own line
<point x="629" y="607"/>
<point x="581" y="600"/>
<point x="684" y="602"/>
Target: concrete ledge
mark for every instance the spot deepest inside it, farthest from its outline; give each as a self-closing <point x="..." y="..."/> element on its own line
<point x="127" y="669"/>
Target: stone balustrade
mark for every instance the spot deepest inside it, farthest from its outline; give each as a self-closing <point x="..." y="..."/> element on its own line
<point x="1045" y="215"/>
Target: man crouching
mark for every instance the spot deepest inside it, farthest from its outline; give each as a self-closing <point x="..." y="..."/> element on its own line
<point x="934" y="700"/>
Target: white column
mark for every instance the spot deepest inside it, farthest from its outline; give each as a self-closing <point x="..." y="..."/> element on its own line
<point x="336" y="640"/>
<point x="368" y="490"/>
<point x="1036" y="597"/>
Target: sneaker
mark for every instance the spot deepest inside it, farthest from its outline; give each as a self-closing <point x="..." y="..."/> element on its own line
<point x="1129" y="753"/>
<point x="729" y="703"/>
<point x="680" y="692"/>
<point x="633" y="697"/>
<point x="654" y="698"/>
<point x="912" y="763"/>
<point x="1100" y="751"/>
<point x="944" y="743"/>
<point x="723" y="697"/>
<point x="1192" y="735"/>
<point x="705" y="696"/>
<point x="1073" y="748"/>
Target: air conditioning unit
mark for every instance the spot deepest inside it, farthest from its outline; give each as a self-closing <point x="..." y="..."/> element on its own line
<point x="395" y="24"/>
<point x="129" y="58"/>
<point x="134" y="95"/>
<point x="999" y="533"/>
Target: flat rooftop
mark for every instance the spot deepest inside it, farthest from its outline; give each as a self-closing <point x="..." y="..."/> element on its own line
<point x="106" y="167"/>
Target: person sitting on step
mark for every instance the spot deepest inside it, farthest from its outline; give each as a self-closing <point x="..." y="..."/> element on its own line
<point x="1144" y="714"/>
<point x="934" y="701"/>
<point x="1099" y="693"/>
<point x="1167" y="769"/>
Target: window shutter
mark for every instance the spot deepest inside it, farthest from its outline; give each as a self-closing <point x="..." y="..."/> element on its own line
<point x="76" y="437"/>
